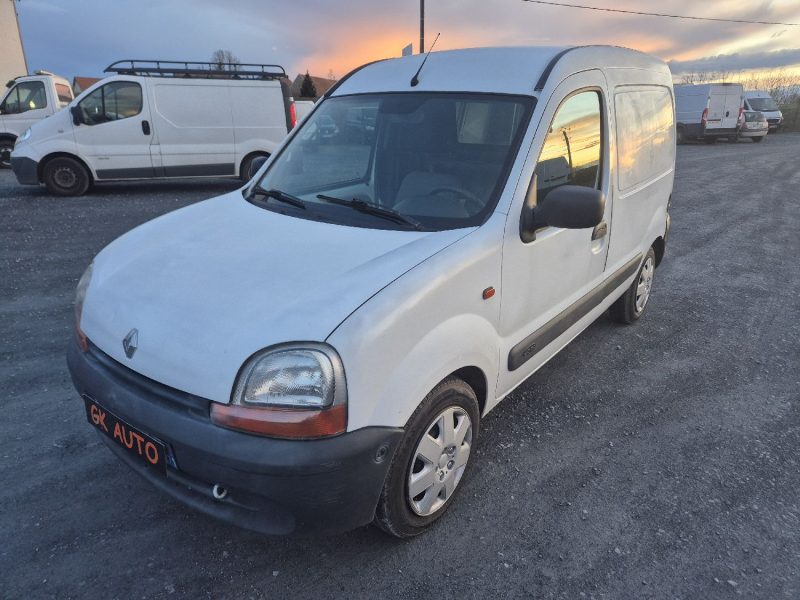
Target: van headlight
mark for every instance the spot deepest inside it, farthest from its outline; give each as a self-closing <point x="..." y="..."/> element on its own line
<point x="291" y="390"/>
<point x="25" y="135"/>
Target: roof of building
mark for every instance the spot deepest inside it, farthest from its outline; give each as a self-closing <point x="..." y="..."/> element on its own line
<point x="82" y="83"/>
<point x="321" y="84"/>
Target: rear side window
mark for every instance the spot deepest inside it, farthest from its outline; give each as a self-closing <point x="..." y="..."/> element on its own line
<point x="25" y="96"/>
<point x="112" y="102"/>
<point x="645" y="135"/>
<point x="64" y="93"/>
<point x="571" y="154"/>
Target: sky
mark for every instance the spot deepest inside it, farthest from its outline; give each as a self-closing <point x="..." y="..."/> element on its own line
<point x="81" y="37"/>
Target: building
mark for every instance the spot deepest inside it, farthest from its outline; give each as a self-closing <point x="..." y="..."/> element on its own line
<point x="12" y="54"/>
<point x="321" y="84"/>
<point x="81" y="83"/>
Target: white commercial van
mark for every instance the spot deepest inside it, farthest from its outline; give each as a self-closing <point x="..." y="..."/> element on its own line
<point x="159" y="119"/>
<point x="317" y="350"/>
<point x="709" y="111"/>
<point x="27" y="100"/>
<point x="761" y="101"/>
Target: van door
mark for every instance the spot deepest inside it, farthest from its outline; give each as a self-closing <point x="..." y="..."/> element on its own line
<point x="24" y="104"/>
<point x="193" y="127"/>
<point x="115" y="133"/>
<point x="545" y="280"/>
<point x="723" y="107"/>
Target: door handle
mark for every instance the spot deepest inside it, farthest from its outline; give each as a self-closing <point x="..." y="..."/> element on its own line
<point x="600" y="231"/>
<point x="145" y="128"/>
<point x="728" y="113"/>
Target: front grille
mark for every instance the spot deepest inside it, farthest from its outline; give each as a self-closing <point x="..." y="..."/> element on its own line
<point x="152" y="389"/>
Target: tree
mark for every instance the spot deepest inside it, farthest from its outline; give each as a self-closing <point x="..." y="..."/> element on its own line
<point x="225" y="60"/>
<point x="308" y="89"/>
<point x="331" y="75"/>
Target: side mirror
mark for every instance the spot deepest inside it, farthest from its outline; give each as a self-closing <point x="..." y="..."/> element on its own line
<point x="77" y="117"/>
<point x="567" y="206"/>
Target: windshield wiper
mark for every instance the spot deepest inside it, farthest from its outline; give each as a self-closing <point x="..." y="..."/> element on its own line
<point x="278" y="195"/>
<point x="372" y="209"/>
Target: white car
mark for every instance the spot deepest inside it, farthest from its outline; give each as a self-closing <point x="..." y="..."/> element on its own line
<point x="316" y="351"/>
<point x="755" y="126"/>
<point x="159" y="119"/>
<point x="27" y="100"/>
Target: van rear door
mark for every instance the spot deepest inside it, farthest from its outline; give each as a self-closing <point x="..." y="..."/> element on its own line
<point x="723" y="107"/>
<point x="193" y="127"/>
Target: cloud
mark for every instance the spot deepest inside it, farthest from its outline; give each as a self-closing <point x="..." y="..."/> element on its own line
<point x="738" y="61"/>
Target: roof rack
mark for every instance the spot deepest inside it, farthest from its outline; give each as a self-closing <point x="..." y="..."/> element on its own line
<point x="203" y="70"/>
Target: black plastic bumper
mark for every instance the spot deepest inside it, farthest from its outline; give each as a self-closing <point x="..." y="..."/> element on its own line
<point x="274" y="486"/>
<point x="26" y="169"/>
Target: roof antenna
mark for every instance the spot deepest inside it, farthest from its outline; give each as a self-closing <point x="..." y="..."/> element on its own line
<point x="415" y="78"/>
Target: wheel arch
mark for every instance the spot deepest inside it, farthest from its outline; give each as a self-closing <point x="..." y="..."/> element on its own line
<point x="251" y="155"/>
<point x="8" y="136"/>
<point x="475" y="378"/>
<point x="659" y="247"/>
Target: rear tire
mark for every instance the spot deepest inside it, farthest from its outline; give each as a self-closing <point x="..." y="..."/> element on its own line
<point x="6" y="146"/>
<point x="250" y="165"/>
<point x="65" y="176"/>
<point x="710" y="140"/>
<point x="433" y="456"/>
<point x="632" y="304"/>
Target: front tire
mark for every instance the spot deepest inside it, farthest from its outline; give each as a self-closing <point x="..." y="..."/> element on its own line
<point x="6" y="146"/>
<point x="758" y="140"/>
<point x="431" y="460"/>
<point x="65" y="176"/>
<point x="632" y="304"/>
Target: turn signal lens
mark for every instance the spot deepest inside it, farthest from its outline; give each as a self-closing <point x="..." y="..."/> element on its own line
<point x="281" y="422"/>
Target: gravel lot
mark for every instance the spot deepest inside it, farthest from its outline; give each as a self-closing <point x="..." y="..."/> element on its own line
<point x="652" y="461"/>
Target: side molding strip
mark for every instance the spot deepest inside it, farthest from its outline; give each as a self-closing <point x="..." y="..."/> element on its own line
<point x="531" y="345"/>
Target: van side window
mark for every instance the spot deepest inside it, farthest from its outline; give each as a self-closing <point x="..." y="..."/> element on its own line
<point x="64" y="94"/>
<point x="112" y="102"/>
<point x="25" y="96"/>
<point x="645" y="135"/>
<point x="571" y="154"/>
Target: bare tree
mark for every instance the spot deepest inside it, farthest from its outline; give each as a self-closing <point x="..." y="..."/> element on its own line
<point x="331" y="75"/>
<point x="225" y="60"/>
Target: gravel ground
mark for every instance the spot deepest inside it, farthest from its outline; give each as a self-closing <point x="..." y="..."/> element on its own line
<point x="652" y="461"/>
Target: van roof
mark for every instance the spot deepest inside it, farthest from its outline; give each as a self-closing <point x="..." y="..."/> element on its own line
<point x="507" y="70"/>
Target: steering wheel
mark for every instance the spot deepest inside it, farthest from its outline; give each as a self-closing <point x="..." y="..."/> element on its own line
<point x="468" y="197"/>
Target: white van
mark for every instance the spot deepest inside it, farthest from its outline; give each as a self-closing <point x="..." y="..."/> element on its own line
<point x="316" y="350"/>
<point x="709" y="111"/>
<point x="159" y="119"/>
<point x="761" y="101"/>
<point x="27" y="100"/>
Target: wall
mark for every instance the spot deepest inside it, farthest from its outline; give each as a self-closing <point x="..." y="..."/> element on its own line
<point x="12" y="58"/>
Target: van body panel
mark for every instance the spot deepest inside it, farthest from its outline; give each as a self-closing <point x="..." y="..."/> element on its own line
<point x="721" y="102"/>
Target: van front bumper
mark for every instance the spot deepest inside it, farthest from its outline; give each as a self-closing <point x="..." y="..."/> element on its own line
<point x="26" y="169"/>
<point x="274" y="486"/>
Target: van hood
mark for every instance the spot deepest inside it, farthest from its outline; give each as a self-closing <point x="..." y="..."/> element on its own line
<point x="51" y="126"/>
<point x="208" y="285"/>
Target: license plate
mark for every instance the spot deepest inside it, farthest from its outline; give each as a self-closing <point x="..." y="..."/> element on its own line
<point x="145" y="448"/>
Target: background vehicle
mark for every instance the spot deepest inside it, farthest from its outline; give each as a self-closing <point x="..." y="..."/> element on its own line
<point x="762" y="101"/>
<point x="29" y="99"/>
<point x="316" y="350"/>
<point x="303" y="108"/>
<point x="755" y="126"/>
<point x="159" y="119"/>
<point x="708" y="111"/>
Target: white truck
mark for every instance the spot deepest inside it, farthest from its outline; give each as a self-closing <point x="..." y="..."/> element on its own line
<point x="761" y="101"/>
<point x="708" y="111"/>
<point x="29" y="99"/>
<point x="159" y="119"/>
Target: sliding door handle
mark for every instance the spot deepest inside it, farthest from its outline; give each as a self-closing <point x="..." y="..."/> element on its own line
<point x="600" y="231"/>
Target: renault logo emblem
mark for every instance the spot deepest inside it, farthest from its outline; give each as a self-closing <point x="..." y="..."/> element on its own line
<point x="131" y="342"/>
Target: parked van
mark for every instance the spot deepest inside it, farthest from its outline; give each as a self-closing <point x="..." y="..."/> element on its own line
<point x="159" y="119"/>
<point x="709" y="111"/>
<point x="761" y="101"/>
<point x="303" y="108"/>
<point x="316" y="351"/>
<point x="29" y="99"/>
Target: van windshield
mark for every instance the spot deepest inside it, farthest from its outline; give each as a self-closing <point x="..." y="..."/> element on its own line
<point x="439" y="159"/>
<point x="767" y="104"/>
